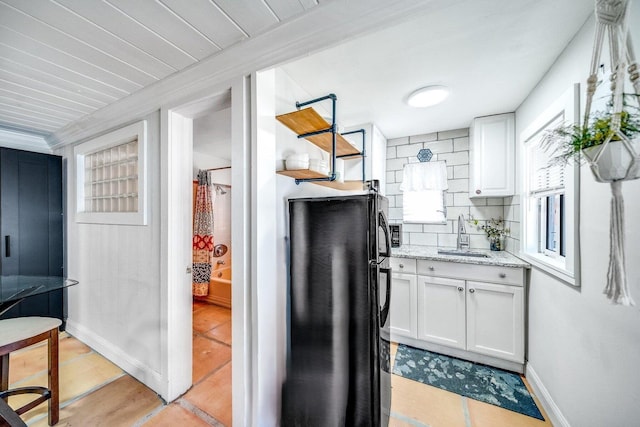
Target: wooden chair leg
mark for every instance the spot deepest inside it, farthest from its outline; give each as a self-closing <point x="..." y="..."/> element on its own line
<point x="4" y="373"/>
<point x="54" y="401"/>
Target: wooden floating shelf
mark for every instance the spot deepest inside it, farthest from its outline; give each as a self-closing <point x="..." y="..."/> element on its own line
<point x="301" y="174"/>
<point x="306" y="174"/>
<point x="308" y="120"/>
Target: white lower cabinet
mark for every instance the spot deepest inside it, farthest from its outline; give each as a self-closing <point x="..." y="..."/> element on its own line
<point x="403" y="307"/>
<point x="441" y="311"/>
<point x="495" y="320"/>
<point x="461" y="315"/>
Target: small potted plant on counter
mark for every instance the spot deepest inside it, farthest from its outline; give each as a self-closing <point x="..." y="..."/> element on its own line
<point x="494" y="229"/>
<point x="569" y="142"/>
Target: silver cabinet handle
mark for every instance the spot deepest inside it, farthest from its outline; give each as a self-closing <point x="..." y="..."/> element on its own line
<point x="478" y="191"/>
<point x="460" y="289"/>
<point x="431" y="268"/>
<point x="188" y="270"/>
<point x="401" y="266"/>
<point x="503" y="275"/>
<point x="472" y="290"/>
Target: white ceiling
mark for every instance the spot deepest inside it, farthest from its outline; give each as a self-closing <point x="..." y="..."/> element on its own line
<point x="61" y="60"/>
<point x="490" y="53"/>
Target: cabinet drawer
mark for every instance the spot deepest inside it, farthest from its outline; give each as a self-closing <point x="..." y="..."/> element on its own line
<point x="403" y="265"/>
<point x="485" y="273"/>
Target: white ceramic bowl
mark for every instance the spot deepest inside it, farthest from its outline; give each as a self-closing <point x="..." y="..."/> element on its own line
<point x="295" y="164"/>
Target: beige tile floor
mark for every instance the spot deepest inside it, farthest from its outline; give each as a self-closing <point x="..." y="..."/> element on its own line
<point x="96" y="392"/>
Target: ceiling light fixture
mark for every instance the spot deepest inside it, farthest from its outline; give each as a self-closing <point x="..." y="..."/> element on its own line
<point x="428" y="96"/>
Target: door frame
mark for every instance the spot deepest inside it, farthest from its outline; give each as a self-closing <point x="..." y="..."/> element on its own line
<point x="176" y="174"/>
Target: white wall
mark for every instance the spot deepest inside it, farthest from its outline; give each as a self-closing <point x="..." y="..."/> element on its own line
<point x="584" y="351"/>
<point x="116" y="307"/>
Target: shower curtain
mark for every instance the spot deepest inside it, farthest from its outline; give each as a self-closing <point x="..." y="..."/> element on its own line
<point x="202" y="236"/>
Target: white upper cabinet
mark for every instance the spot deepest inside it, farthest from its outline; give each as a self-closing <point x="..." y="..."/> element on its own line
<point x="492" y="156"/>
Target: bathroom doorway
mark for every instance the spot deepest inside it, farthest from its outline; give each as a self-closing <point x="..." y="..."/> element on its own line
<point x="212" y="326"/>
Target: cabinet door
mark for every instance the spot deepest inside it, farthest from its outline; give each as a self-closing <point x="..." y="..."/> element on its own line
<point x="31" y="225"/>
<point x="403" y="305"/>
<point x="492" y="151"/>
<point x="441" y="311"/>
<point x="495" y="320"/>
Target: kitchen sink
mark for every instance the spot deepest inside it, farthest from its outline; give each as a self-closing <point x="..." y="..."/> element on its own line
<point x="456" y="252"/>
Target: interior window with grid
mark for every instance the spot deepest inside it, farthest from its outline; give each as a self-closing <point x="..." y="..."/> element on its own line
<point x="111" y="179"/>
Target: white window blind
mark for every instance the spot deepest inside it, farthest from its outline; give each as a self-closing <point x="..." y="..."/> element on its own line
<point x="546" y="175"/>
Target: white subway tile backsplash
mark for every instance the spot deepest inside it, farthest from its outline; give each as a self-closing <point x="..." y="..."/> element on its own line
<point x="448" y="199"/>
<point x="409" y="150"/>
<point x="440" y="147"/>
<point x="487" y="212"/>
<point x="412" y="228"/>
<point x="438" y="228"/>
<point x="461" y="144"/>
<point x="423" y="138"/>
<point x="461" y="171"/>
<point x="512" y="213"/>
<point x="461" y="199"/>
<point x="391" y="178"/>
<point x="449" y="172"/>
<point x="453" y="212"/>
<point x="455" y="133"/>
<point x="447" y="240"/>
<point x="495" y="201"/>
<point x="458" y="186"/>
<point x="396" y="164"/>
<point x="397" y="141"/>
<point x="452" y="147"/>
<point x="395" y="214"/>
<point x="425" y="239"/>
<point x="453" y="159"/>
<point x="479" y="241"/>
<point x="393" y="189"/>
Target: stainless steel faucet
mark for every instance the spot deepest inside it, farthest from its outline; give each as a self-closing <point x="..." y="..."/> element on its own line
<point x="463" y="237"/>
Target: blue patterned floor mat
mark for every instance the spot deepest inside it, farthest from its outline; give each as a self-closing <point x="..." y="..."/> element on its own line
<point x="484" y="383"/>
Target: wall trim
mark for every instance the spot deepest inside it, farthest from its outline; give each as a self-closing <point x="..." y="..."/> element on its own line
<point x="543" y="395"/>
<point x="116" y="355"/>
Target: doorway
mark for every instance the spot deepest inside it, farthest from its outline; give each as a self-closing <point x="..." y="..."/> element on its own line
<point x="212" y="326"/>
<point x="178" y="173"/>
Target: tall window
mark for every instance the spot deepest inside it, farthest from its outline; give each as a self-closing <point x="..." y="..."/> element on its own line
<point x="550" y="221"/>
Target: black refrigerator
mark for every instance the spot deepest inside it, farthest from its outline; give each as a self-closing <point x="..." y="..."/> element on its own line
<point x="338" y="356"/>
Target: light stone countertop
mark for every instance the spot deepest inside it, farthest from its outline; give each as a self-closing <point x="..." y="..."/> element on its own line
<point x="498" y="258"/>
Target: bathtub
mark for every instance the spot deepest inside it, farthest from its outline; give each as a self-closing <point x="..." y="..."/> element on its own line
<point x="220" y="286"/>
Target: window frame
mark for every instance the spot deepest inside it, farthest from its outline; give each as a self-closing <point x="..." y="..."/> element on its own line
<point x="136" y="131"/>
<point x="565" y="268"/>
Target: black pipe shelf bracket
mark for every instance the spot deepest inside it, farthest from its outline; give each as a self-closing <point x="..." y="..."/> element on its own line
<point x="309" y="125"/>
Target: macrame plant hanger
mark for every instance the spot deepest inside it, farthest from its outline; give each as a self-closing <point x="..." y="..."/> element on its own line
<point x="611" y="17"/>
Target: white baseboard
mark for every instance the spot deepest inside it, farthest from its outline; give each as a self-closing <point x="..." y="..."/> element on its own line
<point x="133" y="367"/>
<point x="541" y="392"/>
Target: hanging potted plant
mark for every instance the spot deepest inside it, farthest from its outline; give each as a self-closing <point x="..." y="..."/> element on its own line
<point x="620" y="159"/>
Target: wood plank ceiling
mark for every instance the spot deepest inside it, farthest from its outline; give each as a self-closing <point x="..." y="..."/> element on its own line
<point x="63" y="59"/>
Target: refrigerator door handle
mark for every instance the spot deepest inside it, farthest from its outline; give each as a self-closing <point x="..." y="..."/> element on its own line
<point x="384" y="311"/>
<point x="387" y="234"/>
